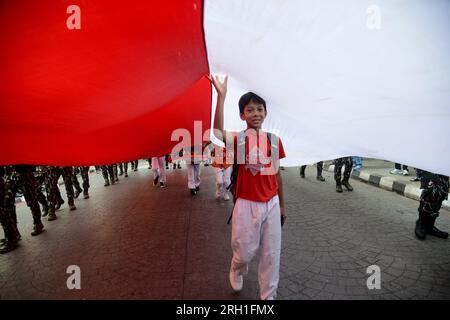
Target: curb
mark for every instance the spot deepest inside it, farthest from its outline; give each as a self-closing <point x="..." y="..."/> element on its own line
<point x="389" y="184"/>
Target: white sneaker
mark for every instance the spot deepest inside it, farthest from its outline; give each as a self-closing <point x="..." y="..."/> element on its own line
<point x="405" y="172"/>
<point x="226" y="197"/>
<point x="236" y="280"/>
<point x="396" y="171"/>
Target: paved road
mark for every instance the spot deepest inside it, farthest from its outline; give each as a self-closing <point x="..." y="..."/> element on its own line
<point x="134" y="241"/>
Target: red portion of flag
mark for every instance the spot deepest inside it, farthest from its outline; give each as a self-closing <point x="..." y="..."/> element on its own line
<point x="111" y="91"/>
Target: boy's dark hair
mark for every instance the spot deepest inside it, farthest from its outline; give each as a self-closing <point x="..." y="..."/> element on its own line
<point x="250" y="97"/>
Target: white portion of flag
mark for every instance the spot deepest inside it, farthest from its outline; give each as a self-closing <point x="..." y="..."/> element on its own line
<point x="340" y="77"/>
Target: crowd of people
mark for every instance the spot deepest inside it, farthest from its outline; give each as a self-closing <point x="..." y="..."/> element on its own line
<point x="252" y="179"/>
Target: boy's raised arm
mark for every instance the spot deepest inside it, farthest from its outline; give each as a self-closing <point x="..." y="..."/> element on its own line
<point x="221" y="89"/>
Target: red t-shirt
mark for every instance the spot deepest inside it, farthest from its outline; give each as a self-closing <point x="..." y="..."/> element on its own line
<point x="257" y="178"/>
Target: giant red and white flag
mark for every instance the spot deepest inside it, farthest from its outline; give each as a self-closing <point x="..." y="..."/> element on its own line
<point x="341" y="78"/>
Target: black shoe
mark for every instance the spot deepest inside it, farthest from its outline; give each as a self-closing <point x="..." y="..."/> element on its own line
<point x="302" y="175"/>
<point x="45" y="213"/>
<point x="347" y="185"/>
<point x="174" y="166"/>
<point x="155" y="181"/>
<point x="162" y="185"/>
<point x="37" y="229"/>
<point x="193" y="192"/>
<point x="320" y="178"/>
<point x="8" y="246"/>
<point x="106" y="184"/>
<point x="52" y="216"/>
<point x="420" y="230"/>
<point x="338" y="188"/>
<point x="135" y="169"/>
<point x="77" y="193"/>
<point x="438" y="233"/>
<point x="179" y="166"/>
<point x="167" y="167"/>
<point x="126" y="175"/>
<point x="197" y="189"/>
<point x="121" y="174"/>
<point x="72" y="207"/>
<point x="85" y="195"/>
<point x="59" y="204"/>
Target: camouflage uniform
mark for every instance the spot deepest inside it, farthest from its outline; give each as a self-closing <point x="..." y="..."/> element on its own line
<point x="75" y="182"/>
<point x="108" y="170"/>
<point x="319" y="171"/>
<point x="134" y="165"/>
<point x="52" y="190"/>
<point x="338" y="163"/>
<point x="7" y="219"/>
<point x="123" y="169"/>
<point x="84" y="171"/>
<point x="22" y="178"/>
<point x="67" y="173"/>
<point x="40" y="179"/>
<point x="115" y="173"/>
<point x="435" y="191"/>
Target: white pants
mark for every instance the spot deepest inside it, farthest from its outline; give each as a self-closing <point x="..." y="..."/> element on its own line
<point x="193" y="171"/>
<point x="223" y="179"/>
<point x="158" y="168"/>
<point x="257" y="225"/>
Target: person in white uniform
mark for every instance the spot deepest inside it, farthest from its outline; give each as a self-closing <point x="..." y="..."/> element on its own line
<point x="259" y="210"/>
<point x="193" y="169"/>
<point x="159" y="172"/>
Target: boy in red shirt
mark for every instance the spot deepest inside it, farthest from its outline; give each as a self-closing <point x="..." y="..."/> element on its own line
<point x="259" y="210"/>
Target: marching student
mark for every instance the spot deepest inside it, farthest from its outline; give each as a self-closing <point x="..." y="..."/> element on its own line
<point x="259" y="210"/>
<point x="159" y="173"/>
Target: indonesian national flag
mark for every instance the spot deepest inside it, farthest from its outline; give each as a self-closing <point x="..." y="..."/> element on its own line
<point x="87" y="82"/>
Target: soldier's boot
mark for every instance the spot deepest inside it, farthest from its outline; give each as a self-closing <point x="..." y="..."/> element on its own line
<point x="346" y="184"/>
<point x="59" y="203"/>
<point x="106" y="183"/>
<point x="10" y="243"/>
<point x="421" y="226"/>
<point x="16" y="233"/>
<point x="85" y="194"/>
<point x="52" y="216"/>
<point x="179" y="166"/>
<point x="432" y="230"/>
<point x="71" y="204"/>
<point x="302" y="171"/>
<point x="121" y="172"/>
<point x="338" y="186"/>
<point x="78" y="191"/>
<point x="126" y="175"/>
<point x="174" y="166"/>
<point x="37" y="229"/>
<point x="45" y="209"/>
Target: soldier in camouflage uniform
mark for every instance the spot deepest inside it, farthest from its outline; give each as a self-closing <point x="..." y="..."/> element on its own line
<point x="319" y="171"/>
<point x="435" y="191"/>
<point x="108" y="170"/>
<point x="123" y="167"/>
<point x="115" y="172"/>
<point x="67" y="173"/>
<point x="7" y="219"/>
<point x="338" y="163"/>
<point x="39" y="174"/>
<point x="75" y="182"/>
<point x="84" y="171"/>
<point x="52" y="190"/>
<point x="22" y="178"/>
<point x="134" y="165"/>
